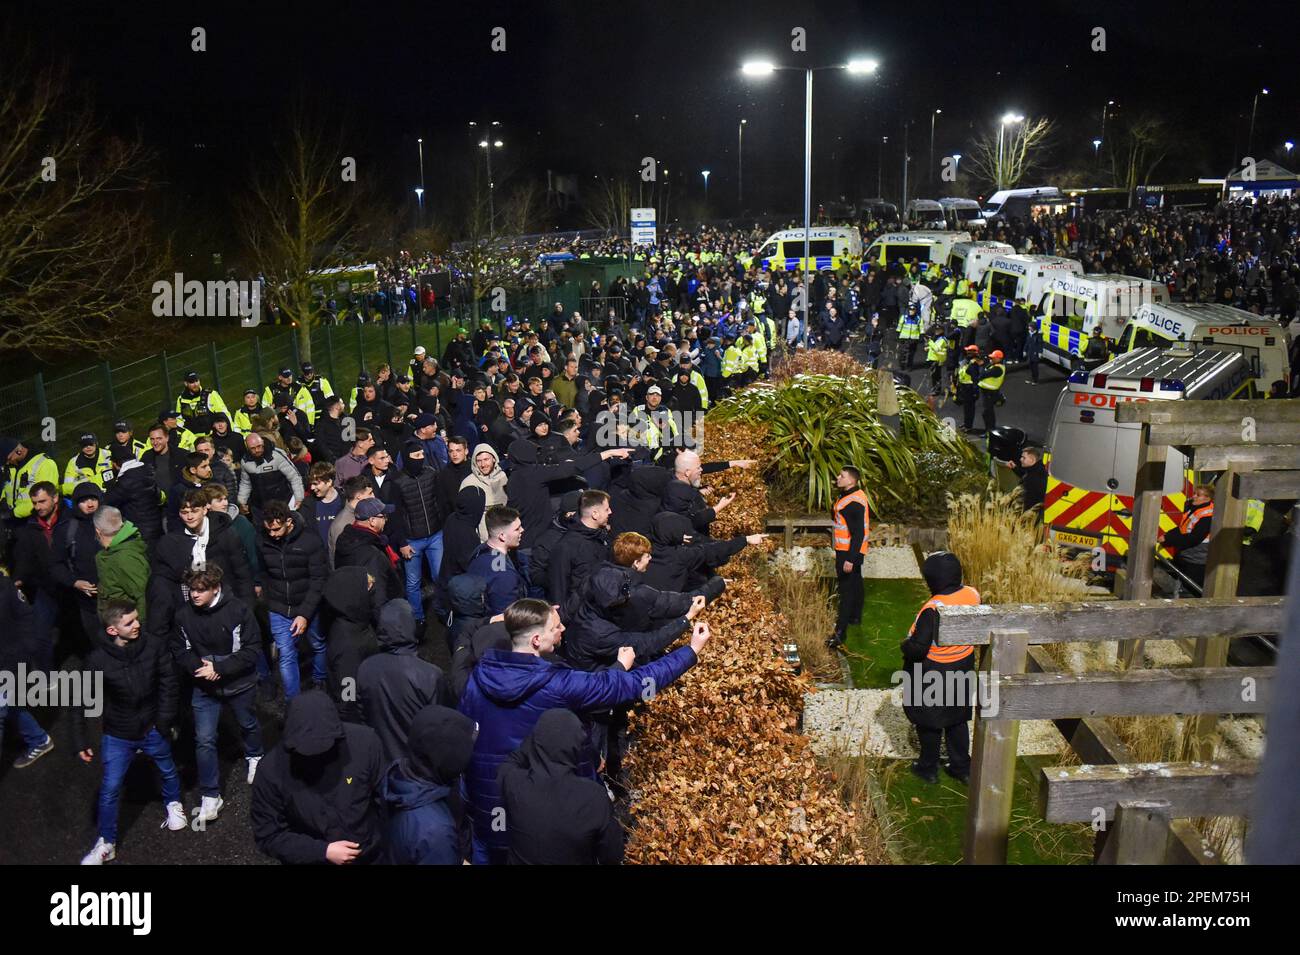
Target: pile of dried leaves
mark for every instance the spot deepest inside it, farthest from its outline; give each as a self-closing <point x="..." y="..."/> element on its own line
<point x="719" y="769"/>
<point x="819" y="362"/>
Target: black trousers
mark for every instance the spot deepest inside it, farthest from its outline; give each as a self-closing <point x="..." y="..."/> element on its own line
<point x="968" y="398"/>
<point x="990" y="408"/>
<point x="849" y="587"/>
<point x="958" y="736"/>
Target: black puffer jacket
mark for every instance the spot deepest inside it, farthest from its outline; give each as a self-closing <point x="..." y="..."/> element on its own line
<point x="394" y="684"/>
<point x="293" y="570"/>
<point x="75" y="547"/>
<point x="593" y="637"/>
<point x="139" y="688"/>
<point x="460" y="533"/>
<point x="580" y="551"/>
<point x="135" y="493"/>
<point x="677" y="565"/>
<point x="562" y="520"/>
<point x="419" y="502"/>
<point x="529" y="491"/>
<point x="303" y="803"/>
<point x="682" y="498"/>
<point x="224" y="632"/>
<point x="635" y="507"/>
<point x="173" y="557"/>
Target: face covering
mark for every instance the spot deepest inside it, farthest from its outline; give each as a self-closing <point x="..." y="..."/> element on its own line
<point x="414" y="466"/>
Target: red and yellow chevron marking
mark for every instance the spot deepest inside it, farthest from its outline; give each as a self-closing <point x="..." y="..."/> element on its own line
<point x="1086" y="518"/>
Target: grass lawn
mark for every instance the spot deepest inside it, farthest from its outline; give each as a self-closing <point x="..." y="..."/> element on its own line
<point x="888" y="608"/>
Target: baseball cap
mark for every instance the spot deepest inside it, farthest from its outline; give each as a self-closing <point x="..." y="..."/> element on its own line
<point x="372" y="507"/>
<point x="121" y="426"/>
<point x="996" y="355"/>
<point x="307" y="368"/>
<point x="420" y="350"/>
<point x="191" y="376"/>
<point x="403" y="379"/>
<point x="972" y="348"/>
<point x="167" y="413"/>
<point x="88" y="438"/>
<point x="286" y="372"/>
<point x="654" y="390"/>
<point x="251" y="391"/>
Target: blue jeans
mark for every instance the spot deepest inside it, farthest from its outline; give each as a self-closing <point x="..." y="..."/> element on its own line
<point x="287" y="644"/>
<point x="207" y="713"/>
<point x="30" y="730"/>
<point x="117" y="754"/>
<point x="431" y="549"/>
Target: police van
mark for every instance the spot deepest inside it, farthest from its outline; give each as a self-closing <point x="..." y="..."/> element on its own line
<point x="924" y="246"/>
<point x="1092" y="465"/>
<point x="1077" y="308"/>
<point x="970" y="260"/>
<point x="925" y="214"/>
<point x="1012" y="203"/>
<point x="1262" y="340"/>
<point x="1010" y="277"/>
<point x="962" y="213"/>
<point x="830" y="248"/>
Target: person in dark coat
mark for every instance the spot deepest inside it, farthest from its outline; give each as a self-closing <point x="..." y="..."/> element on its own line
<point x="682" y="494"/>
<point x="317" y="798"/>
<point x="460" y="532"/>
<point x="477" y="640"/>
<point x="18" y="646"/>
<point x="499" y="562"/>
<point x="679" y="562"/>
<point x="529" y="492"/>
<point x="72" y="560"/>
<point x="422" y="790"/>
<point x="292" y="568"/>
<point x="135" y="493"/>
<point x="394" y="684"/>
<point x="926" y="661"/>
<point x="509" y="691"/>
<point x="1033" y="479"/>
<point x="539" y="558"/>
<point x="346" y="614"/>
<point x="557" y="815"/>
<point x="597" y="629"/>
<point x="583" y="548"/>
<point x="329" y="431"/>
<point x="364" y="544"/>
<point x="637" y="504"/>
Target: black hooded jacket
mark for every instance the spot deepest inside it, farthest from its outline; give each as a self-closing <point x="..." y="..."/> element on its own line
<point x="557" y="817"/>
<point x="394" y="684"/>
<point x="580" y="551"/>
<point x="943" y="575"/>
<point x="529" y="491"/>
<point x="139" y="688"/>
<point x="594" y="635"/>
<point x="565" y="517"/>
<point x="135" y="493"/>
<point x="635" y="507"/>
<point x="75" y="545"/>
<point x="173" y="557"/>
<point x="460" y="532"/>
<point x="682" y="498"/>
<point x="359" y="547"/>
<point x="677" y="565"/>
<point x="319" y="785"/>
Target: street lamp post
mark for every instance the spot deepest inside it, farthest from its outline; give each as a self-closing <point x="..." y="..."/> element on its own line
<point x="956" y="163"/>
<point x="1288" y="146"/>
<point x="880" y="168"/>
<point x="930" y="178"/>
<point x="1104" y="110"/>
<point x="1008" y="118"/>
<point x="1250" y="138"/>
<point x="705" y="174"/>
<point x="740" y="163"/>
<point x="765" y="68"/>
<point x="487" y="146"/>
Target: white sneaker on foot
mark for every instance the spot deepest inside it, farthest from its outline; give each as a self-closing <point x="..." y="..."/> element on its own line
<point x="252" y="768"/>
<point x="103" y="852"/>
<point x="209" y="808"/>
<point x="175" y="819"/>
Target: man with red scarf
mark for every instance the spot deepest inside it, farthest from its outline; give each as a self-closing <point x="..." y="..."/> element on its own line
<point x="364" y="544"/>
<point x="32" y="553"/>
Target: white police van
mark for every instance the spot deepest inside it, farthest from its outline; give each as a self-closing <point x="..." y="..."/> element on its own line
<point x="1077" y="308"/>
<point x="970" y="260"/>
<point x="923" y="246"/>
<point x="1010" y="277"/>
<point x="830" y="248"/>
<point x="1261" y="339"/>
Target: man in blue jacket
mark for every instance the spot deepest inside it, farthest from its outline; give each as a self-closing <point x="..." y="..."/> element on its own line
<point x="422" y="790"/>
<point x="498" y="563"/>
<point x="509" y="691"/>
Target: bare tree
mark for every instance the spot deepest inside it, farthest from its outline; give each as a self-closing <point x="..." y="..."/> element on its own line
<point x="610" y="206"/>
<point x="1138" y="146"/>
<point x="77" y="257"/>
<point x="300" y="218"/>
<point x="1022" y="150"/>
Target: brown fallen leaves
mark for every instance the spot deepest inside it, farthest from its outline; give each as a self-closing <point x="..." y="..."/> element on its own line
<point x="721" y="771"/>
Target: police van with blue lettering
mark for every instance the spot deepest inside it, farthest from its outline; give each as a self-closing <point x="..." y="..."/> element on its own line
<point x="1261" y="339"/>
<point x="970" y="260"/>
<point x="830" y="249"/>
<point x="921" y="246"/>
<point x="1079" y="308"/>
<point x="1010" y="277"/>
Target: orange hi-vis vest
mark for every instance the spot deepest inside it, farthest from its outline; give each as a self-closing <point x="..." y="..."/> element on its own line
<point x="840" y="529"/>
<point x="966" y="597"/>
<point x="1193" y="517"/>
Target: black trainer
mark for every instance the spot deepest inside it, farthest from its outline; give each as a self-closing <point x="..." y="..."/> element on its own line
<point x="963" y="778"/>
<point x="925" y="773"/>
<point x="836" y="641"/>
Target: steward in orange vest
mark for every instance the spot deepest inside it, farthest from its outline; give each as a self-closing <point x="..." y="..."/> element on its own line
<point x="939" y="682"/>
<point x="850" y="529"/>
<point x="1191" y="542"/>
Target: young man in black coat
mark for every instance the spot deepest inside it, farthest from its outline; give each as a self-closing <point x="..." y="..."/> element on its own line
<point x="217" y="641"/>
<point x="346" y="619"/>
<point x="394" y="684"/>
<point x="583" y="548"/>
<point x="72" y="563"/>
<point x="317" y="798"/>
<point x="529" y="489"/>
<point x="557" y="817"/>
<point x="679" y="562"/>
<point x="135" y="493"/>
<point x="139" y="710"/>
<point x="291" y="577"/>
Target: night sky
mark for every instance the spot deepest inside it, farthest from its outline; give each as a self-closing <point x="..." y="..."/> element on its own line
<point x="588" y="89"/>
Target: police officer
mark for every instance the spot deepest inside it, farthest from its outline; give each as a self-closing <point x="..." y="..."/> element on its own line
<point x="92" y="464"/>
<point x="281" y="391"/>
<point x="243" y="418"/>
<point x="936" y="356"/>
<point x="967" y="393"/>
<point x="850" y="529"/>
<point x="909" y="334"/>
<point x="124" y="447"/>
<point x="198" y="405"/>
<point x="313" y="390"/>
<point x="990" y="382"/>
<point x="733" y="364"/>
<point x="179" y="437"/>
<point x="23" y="469"/>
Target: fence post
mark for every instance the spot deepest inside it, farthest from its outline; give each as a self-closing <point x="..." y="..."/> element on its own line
<point x="293" y="347"/>
<point x="329" y="351"/>
<point x="257" y="360"/>
<point x="42" y="406"/>
<point x="388" y="343"/>
<point x="216" y="366"/>
<point x="361" y="346"/>
<point x="437" y="338"/>
<point x="993" y="763"/>
<point x="165" y="368"/>
<point x="108" y="390"/>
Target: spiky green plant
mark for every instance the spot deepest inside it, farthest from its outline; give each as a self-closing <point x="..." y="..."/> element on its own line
<point x="819" y="423"/>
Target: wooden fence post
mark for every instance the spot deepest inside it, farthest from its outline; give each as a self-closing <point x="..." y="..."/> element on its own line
<point x="1147" y="498"/>
<point x="993" y="767"/>
<point x="329" y="352"/>
<point x="1139" y="834"/>
<point x="257" y="361"/>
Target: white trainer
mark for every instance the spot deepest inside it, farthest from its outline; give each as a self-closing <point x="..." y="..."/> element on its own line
<point x="175" y="819"/>
<point x="103" y="852"/>
<point x="252" y="768"/>
<point x="209" y="808"/>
